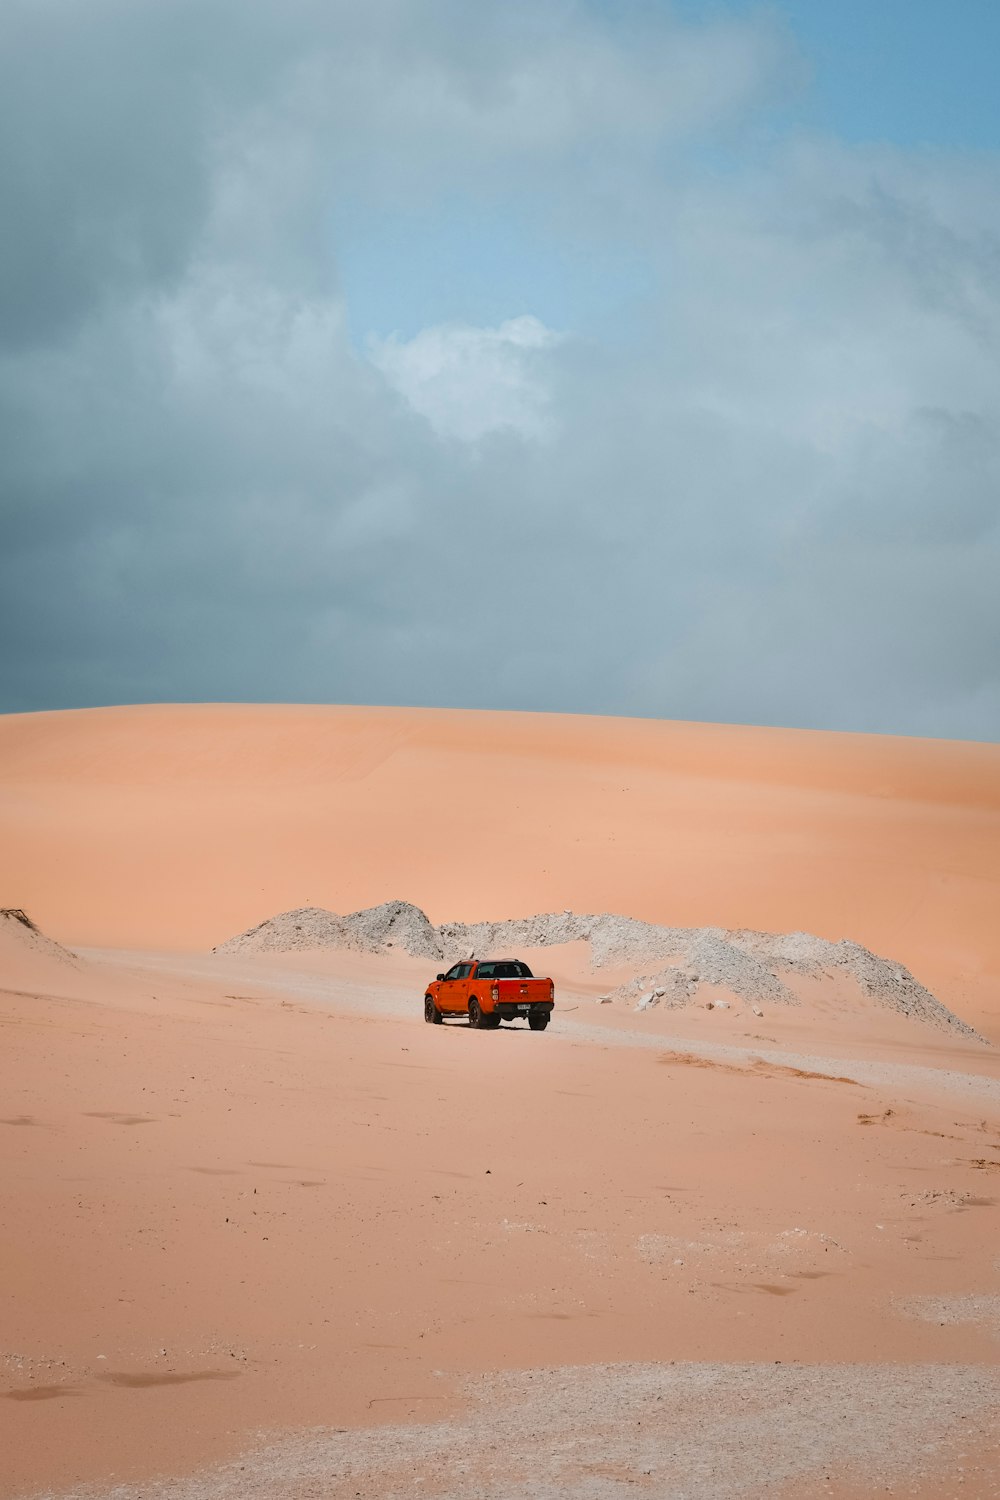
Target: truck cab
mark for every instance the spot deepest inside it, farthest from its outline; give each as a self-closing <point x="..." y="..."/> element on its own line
<point x="489" y="991"/>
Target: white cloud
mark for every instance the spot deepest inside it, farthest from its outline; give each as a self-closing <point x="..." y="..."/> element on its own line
<point x="468" y="382"/>
<point x="778" y="503"/>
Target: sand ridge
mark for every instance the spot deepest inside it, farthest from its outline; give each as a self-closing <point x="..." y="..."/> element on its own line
<point x="21" y="937"/>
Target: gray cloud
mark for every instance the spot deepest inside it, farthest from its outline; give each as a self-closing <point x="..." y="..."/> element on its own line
<point x="777" y="504"/>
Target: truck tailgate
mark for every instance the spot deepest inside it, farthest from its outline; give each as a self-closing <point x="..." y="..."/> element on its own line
<point x="522" y="991"/>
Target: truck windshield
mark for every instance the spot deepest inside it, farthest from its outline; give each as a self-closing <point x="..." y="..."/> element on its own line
<point x="508" y="968"/>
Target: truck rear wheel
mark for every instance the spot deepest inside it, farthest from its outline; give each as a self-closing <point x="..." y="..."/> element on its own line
<point x="475" y="1014"/>
<point x="431" y="1013"/>
<point x="538" y="1023"/>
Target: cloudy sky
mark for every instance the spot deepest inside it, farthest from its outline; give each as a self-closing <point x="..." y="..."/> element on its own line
<point x="583" y="355"/>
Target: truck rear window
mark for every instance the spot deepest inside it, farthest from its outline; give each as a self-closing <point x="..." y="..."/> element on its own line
<point x="508" y="968"/>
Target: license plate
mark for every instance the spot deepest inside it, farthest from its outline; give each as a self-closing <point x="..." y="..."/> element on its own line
<point x="524" y="1007"/>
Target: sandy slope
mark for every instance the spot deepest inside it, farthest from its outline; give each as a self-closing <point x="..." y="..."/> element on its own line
<point x="247" y="1205"/>
<point x="256" y="1213"/>
<point x="178" y="826"/>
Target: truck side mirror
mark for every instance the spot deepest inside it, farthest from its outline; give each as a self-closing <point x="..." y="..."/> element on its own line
<point x="440" y="976"/>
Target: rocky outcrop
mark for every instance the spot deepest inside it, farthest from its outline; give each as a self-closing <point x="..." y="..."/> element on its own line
<point x="397" y="924"/>
<point x="672" y="960"/>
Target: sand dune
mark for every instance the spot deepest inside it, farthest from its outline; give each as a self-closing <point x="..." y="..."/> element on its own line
<point x="253" y="1198"/>
<point x="266" y="1233"/>
<point x="176" y="826"/>
<point x="29" y="959"/>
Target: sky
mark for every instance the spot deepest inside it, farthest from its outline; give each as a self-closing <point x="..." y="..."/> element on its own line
<point x="597" y="356"/>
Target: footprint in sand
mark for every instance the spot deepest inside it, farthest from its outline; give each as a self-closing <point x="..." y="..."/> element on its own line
<point x="39" y="1393"/>
<point x="141" y="1382"/>
<point x="757" y="1286"/>
<point x="115" y="1117"/>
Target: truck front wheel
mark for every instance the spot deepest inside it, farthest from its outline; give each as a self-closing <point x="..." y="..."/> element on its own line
<point x="538" y="1023"/>
<point x="431" y="1013"/>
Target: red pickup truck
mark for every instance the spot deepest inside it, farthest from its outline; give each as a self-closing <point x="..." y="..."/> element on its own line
<point x="488" y="992"/>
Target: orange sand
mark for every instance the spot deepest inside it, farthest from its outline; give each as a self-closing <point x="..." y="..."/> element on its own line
<point x="173" y="826"/>
<point x="239" y="1209"/>
<point x="245" y="1196"/>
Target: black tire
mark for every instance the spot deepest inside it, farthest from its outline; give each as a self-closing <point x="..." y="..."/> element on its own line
<point x="475" y="1015"/>
<point x="431" y="1013"/>
<point x="538" y="1023"/>
<point x="491" y="1021"/>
